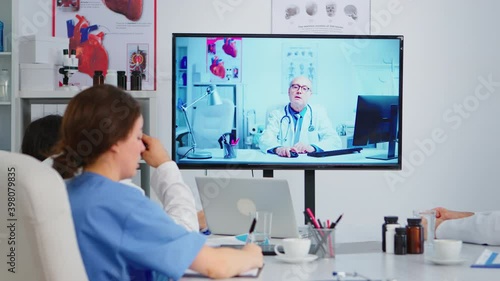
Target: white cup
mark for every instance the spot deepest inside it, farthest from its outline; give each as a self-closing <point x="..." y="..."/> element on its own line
<point x="294" y="247"/>
<point x="447" y="249"/>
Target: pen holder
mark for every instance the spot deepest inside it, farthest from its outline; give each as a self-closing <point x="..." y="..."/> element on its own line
<point x="229" y="151"/>
<point x="322" y="242"/>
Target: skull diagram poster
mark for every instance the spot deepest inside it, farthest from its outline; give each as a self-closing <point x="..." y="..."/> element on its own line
<point x="109" y="34"/>
<point x="321" y="17"/>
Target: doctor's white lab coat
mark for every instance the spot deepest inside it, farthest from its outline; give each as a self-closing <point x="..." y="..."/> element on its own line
<point x="323" y="135"/>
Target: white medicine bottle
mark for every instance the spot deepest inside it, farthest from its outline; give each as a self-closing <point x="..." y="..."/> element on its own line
<point x="4" y="85"/>
<point x="389" y="238"/>
<point x="111" y="78"/>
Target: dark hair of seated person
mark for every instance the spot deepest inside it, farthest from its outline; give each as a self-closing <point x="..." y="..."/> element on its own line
<point x="41" y="136"/>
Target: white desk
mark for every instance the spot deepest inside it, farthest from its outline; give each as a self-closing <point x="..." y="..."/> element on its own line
<point x="254" y="156"/>
<point x="367" y="259"/>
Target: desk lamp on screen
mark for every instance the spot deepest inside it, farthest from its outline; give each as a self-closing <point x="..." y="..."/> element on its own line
<point x="376" y="122"/>
<point x="213" y="99"/>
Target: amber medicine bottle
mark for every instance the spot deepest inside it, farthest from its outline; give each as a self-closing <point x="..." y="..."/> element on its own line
<point x="415" y="236"/>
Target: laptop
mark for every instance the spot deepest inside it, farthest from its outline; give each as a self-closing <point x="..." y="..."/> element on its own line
<point x="230" y="204"/>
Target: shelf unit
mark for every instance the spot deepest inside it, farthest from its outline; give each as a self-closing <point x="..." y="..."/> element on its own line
<point x="9" y="60"/>
<point x="147" y="99"/>
<point x="183" y="79"/>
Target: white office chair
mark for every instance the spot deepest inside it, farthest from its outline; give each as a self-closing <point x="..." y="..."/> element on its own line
<point x="46" y="216"/>
<point x="210" y="122"/>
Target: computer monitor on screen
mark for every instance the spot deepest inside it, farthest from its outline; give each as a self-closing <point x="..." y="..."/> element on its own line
<point x="377" y="122"/>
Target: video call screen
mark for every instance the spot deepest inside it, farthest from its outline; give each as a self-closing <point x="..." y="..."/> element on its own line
<point x="286" y="101"/>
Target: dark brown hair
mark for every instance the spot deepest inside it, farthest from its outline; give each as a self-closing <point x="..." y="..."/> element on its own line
<point x="40" y="136"/>
<point x="95" y="119"/>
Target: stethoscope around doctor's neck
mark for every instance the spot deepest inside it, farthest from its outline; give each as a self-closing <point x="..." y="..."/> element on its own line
<point x="289" y="123"/>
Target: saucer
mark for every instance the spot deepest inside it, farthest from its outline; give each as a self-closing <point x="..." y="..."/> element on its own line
<point x="445" y="262"/>
<point x="307" y="258"/>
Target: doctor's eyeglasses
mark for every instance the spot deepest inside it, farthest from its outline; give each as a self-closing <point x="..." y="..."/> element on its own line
<point x="296" y="87"/>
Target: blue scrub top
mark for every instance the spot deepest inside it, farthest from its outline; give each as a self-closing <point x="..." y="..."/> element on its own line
<point x="122" y="233"/>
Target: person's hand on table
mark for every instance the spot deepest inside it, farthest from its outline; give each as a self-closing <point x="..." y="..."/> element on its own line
<point x="303" y="148"/>
<point x="443" y="214"/>
<point x="283" y="151"/>
<point x="256" y="253"/>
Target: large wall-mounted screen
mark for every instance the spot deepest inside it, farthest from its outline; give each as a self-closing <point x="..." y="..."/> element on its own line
<point x="287" y="101"/>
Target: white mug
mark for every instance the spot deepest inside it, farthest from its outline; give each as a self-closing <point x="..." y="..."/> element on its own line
<point x="445" y="249"/>
<point x="294" y="247"/>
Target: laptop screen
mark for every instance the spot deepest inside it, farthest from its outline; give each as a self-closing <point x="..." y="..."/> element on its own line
<point x="230" y="204"/>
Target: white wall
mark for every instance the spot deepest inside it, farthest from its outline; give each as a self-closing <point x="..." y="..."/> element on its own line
<point x="451" y="50"/>
<point x="450" y="47"/>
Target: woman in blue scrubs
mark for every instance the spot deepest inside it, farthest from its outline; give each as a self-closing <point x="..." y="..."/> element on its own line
<point x="122" y="234"/>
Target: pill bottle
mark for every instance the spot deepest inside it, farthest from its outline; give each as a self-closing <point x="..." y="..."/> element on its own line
<point x="389" y="238"/>
<point x="400" y="242"/>
<point x="4" y="85"/>
<point x="111" y="78"/>
<point x="388" y="220"/>
<point x="98" y="78"/>
<point x="136" y="81"/>
<point x="415" y="236"/>
<point x="122" y="80"/>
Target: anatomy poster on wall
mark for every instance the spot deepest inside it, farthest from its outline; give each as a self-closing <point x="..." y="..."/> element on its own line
<point x="321" y="16"/>
<point x="109" y="34"/>
<point x="224" y="59"/>
<point x="299" y="61"/>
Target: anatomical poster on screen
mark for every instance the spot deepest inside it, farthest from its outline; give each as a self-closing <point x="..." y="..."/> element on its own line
<point x="107" y="35"/>
<point x="321" y="17"/>
<point x="224" y="59"/>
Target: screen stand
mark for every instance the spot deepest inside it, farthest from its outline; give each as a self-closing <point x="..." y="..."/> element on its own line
<point x="309" y="188"/>
<point x="309" y="191"/>
<point x="268" y="173"/>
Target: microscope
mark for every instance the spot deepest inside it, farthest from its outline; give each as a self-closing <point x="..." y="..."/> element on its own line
<point x="70" y="67"/>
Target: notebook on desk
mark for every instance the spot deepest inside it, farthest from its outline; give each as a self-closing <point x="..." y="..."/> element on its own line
<point x="230" y="203"/>
<point x="254" y="273"/>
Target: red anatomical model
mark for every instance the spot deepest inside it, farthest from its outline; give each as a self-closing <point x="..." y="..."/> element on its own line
<point x="74" y="41"/>
<point x="89" y="49"/>
<point x="92" y="55"/>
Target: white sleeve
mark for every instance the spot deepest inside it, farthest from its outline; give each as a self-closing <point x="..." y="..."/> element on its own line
<point x="269" y="138"/>
<point x="129" y="182"/>
<point x="176" y="197"/>
<point x="481" y="228"/>
<point x="328" y="137"/>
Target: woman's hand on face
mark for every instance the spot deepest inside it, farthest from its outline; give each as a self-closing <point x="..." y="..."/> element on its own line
<point x="155" y="154"/>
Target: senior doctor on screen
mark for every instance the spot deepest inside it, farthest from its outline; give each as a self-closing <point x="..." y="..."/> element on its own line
<point x="298" y="126"/>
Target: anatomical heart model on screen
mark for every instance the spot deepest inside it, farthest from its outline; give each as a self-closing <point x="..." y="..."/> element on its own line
<point x="224" y="59"/>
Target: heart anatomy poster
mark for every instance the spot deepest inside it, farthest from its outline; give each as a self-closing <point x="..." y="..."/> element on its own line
<point x="224" y="59"/>
<point x="321" y="16"/>
<point x="109" y="34"/>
